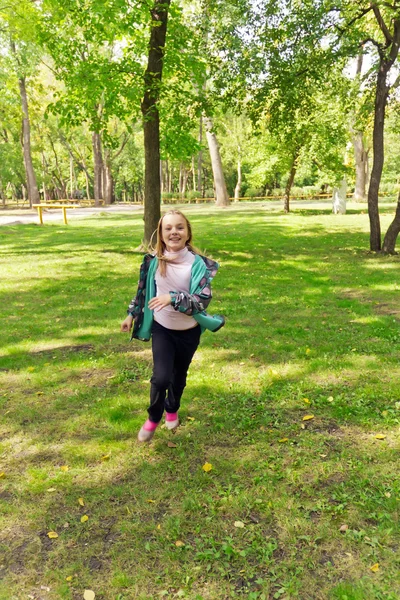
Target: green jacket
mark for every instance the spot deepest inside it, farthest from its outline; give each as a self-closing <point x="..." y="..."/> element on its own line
<point x="193" y="303"/>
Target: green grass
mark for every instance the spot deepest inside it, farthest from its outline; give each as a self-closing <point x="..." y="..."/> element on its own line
<point x="312" y="329"/>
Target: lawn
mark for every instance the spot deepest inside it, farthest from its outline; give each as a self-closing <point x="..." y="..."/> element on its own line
<point x="282" y="481"/>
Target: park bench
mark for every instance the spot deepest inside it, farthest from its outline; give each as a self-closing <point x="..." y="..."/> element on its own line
<point x="64" y="207"/>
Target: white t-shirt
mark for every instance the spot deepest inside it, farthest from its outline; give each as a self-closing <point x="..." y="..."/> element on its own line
<point x="177" y="279"/>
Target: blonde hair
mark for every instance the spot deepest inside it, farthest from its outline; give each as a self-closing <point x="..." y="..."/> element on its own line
<point x="160" y="246"/>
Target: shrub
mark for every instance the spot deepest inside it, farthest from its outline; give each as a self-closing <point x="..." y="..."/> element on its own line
<point x="254" y="193"/>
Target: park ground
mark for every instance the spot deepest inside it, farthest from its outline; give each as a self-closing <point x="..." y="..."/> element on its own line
<point x="281" y="482"/>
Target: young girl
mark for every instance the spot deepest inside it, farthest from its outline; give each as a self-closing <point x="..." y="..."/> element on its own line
<point x="173" y="292"/>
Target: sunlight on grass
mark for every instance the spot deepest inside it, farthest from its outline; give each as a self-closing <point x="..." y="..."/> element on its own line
<point x="285" y="403"/>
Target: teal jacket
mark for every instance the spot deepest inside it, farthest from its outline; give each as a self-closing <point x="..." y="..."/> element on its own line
<point x="193" y="303"/>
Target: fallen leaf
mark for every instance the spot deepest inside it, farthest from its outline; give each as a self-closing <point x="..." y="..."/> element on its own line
<point x="241" y="364"/>
<point x="343" y="528"/>
<point x="39" y="393"/>
<point x="330" y="399"/>
<point x="191" y="419"/>
<point x="52" y="535"/>
<point x="239" y="524"/>
<point x="308" y="417"/>
<point x="64" y="468"/>
<point x="158" y="526"/>
<point x="66" y="525"/>
<point x="89" y="595"/>
<point x="283" y="440"/>
<point x="52" y="490"/>
<point x="374" y="568"/>
<point x="179" y="543"/>
<point x="2" y="475"/>
<point x="69" y="578"/>
<point x="388" y="494"/>
<point x="172" y="445"/>
<point x="84" y="519"/>
<point x="380" y="436"/>
<point x="81" y="501"/>
<point x="106" y="457"/>
<point x="207" y="467"/>
<point x="152" y="501"/>
<point x="306" y="400"/>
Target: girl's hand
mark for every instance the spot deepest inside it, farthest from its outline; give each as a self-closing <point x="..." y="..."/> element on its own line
<point x="127" y="324"/>
<point x="160" y="302"/>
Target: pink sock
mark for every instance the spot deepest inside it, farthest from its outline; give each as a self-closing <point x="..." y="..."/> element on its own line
<point x="150" y="426"/>
<point x="171" y="416"/>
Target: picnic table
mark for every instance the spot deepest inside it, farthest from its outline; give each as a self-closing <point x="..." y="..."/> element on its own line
<point x="64" y="207"/>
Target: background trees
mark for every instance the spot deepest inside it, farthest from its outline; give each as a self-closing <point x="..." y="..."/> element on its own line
<point x="279" y="88"/>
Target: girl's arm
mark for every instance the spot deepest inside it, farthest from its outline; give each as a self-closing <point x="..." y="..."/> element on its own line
<point x="192" y="304"/>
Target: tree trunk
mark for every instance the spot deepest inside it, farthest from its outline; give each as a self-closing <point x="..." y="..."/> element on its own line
<point x="194" y="187"/>
<point x="382" y="91"/>
<point x="293" y="169"/>
<point x="389" y="243"/>
<point x="33" y="192"/>
<point x="200" y="157"/>
<point x="238" y="187"/>
<point x="360" y="154"/>
<point x="108" y="179"/>
<point x="222" y="198"/>
<point x="98" y="168"/>
<point x="361" y="160"/>
<point x="151" y="118"/>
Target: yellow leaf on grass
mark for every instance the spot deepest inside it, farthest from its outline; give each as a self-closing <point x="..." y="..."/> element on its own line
<point x="69" y="578"/>
<point x="239" y="524"/>
<point x="306" y="400"/>
<point x="81" y="501"/>
<point x="106" y="457"/>
<point x="207" y="467"/>
<point x="283" y="440"/>
<point x="308" y="417"/>
<point x="380" y="436"/>
<point x="84" y="519"/>
<point x="2" y="475"/>
<point x="374" y="568"/>
<point x="152" y="501"/>
<point x="30" y="369"/>
<point x="190" y="418"/>
<point x="89" y="595"/>
<point x="39" y="393"/>
<point x="308" y="351"/>
<point x="64" y="468"/>
<point x="52" y="490"/>
<point x="52" y="535"/>
<point x="179" y="543"/>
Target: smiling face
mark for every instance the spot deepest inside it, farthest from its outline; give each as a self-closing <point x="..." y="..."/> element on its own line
<point x="174" y="232"/>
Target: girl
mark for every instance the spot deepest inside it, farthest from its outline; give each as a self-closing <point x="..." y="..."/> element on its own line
<point x="173" y="292"/>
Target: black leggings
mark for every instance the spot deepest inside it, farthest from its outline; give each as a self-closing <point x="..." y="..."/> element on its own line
<point x="173" y="351"/>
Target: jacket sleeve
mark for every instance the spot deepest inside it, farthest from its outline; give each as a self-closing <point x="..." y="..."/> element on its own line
<point x="136" y="304"/>
<point x="192" y="304"/>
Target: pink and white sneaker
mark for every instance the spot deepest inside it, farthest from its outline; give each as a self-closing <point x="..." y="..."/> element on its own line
<point x="147" y="431"/>
<point x="171" y="420"/>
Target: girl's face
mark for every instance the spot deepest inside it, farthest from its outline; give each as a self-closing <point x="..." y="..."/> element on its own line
<point x="174" y="232"/>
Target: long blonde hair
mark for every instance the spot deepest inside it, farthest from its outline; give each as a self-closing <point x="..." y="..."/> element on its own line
<point x="160" y="246"/>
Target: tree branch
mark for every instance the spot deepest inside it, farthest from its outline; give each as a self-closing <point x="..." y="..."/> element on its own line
<point x="382" y="24"/>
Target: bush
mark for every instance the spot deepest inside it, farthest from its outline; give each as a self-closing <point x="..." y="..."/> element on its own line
<point x="192" y="195"/>
<point x="254" y="193"/>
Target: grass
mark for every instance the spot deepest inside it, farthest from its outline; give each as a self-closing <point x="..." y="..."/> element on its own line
<point x="312" y="330"/>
